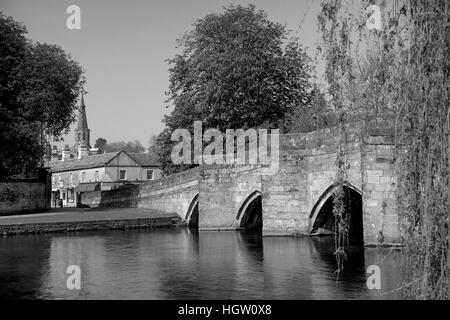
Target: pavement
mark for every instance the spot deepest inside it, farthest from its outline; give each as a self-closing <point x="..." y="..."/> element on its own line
<point x="82" y="214"/>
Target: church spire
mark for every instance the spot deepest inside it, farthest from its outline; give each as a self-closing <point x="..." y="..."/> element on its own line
<point x="82" y="101"/>
<point x="82" y="132"/>
<point x="82" y="118"/>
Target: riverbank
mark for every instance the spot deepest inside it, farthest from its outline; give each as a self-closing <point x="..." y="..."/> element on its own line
<point x="79" y="219"/>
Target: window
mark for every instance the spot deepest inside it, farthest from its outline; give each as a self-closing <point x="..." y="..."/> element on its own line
<point x="96" y="176"/>
<point x="83" y="177"/>
<point x="71" y="178"/>
<point x="123" y="175"/>
<point x="71" y="195"/>
<point x="149" y="174"/>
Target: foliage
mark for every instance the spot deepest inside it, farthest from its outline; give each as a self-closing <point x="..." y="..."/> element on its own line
<point x="315" y="115"/>
<point x="162" y="149"/>
<point x="153" y="148"/>
<point x="423" y="88"/>
<point x="235" y="71"/>
<point x="130" y="146"/>
<point x="335" y="29"/>
<point x="39" y="86"/>
<point x="101" y="143"/>
<point x="401" y="73"/>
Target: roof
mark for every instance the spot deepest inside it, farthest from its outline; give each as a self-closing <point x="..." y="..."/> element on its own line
<point x="144" y="159"/>
<point x="94" y="161"/>
<point x="99" y="160"/>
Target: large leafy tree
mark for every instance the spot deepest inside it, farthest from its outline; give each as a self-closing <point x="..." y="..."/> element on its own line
<point x="130" y="146"/>
<point x="236" y="70"/>
<point x="101" y="143"/>
<point x="39" y="86"/>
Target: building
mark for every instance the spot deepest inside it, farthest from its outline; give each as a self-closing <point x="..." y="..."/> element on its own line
<point x="80" y="169"/>
<point x="71" y="177"/>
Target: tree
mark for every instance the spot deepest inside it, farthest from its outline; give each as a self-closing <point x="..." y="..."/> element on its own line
<point x="317" y="114"/>
<point x="39" y="87"/>
<point x="131" y="147"/>
<point x="152" y="141"/>
<point x="163" y="149"/>
<point x="235" y="72"/>
<point x="101" y="143"/>
<point x="153" y="148"/>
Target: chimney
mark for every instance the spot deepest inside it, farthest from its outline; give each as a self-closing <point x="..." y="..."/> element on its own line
<point x="83" y="152"/>
<point x="65" y="155"/>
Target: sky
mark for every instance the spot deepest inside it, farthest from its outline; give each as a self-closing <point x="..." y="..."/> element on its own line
<point x="123" y="47"/>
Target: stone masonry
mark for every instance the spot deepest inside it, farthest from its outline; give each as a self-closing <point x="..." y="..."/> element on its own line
<point x="291" y="198"/>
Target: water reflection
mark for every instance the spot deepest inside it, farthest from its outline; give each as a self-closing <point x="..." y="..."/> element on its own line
<point x="185" y="264"/>
<point x="22" y="262"/>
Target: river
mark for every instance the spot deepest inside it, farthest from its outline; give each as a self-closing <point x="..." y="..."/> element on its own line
<point x="186" y="264"/>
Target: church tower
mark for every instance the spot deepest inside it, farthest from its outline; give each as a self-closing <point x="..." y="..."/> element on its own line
<point x="82" y="132"/>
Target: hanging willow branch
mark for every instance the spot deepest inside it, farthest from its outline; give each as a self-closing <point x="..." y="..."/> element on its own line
<point x="335" y="47"/>
<point x="400" y="72"/>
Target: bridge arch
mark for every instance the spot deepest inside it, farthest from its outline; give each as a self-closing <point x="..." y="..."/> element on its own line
<point x="192" y="212"/>
<point x="249" y="215"/>
<point x="322" y="217"/>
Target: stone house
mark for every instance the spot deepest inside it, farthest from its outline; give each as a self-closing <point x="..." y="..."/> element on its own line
<point x="71" y="177"/>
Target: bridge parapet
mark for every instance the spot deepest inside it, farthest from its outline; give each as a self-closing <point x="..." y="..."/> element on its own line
<point x="172" y="194"/>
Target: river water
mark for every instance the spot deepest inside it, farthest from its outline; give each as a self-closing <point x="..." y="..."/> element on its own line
<point x="185" y="264"/>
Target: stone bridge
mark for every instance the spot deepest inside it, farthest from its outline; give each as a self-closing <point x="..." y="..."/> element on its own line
<point x="297" y="200"/>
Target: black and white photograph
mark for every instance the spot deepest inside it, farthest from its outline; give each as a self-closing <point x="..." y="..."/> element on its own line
<point x="224" y="156"/>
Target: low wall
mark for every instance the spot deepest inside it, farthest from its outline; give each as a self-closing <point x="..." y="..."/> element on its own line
<point x="90" y="199"/>
<point x="23" y="196"/>
<point x="124" y="197"/>
<point x="171" y="194"/>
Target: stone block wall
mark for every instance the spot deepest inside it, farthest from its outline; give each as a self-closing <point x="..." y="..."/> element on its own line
<point x="379" y="187"/>
<point x="90" y="199"/>
<point x="123" y="197"/>
<point x="172" y="194"/>
<point x="22" y="196"/>
<point x="307" y="171"/>
<point x="223" y="190"/>
<point x="285" y="199"/>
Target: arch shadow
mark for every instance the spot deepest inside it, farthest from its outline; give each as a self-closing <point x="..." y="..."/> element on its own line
<point x="192" y="213"/>
<point x="322" y="217"/>
<point x="249" y="215"/>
